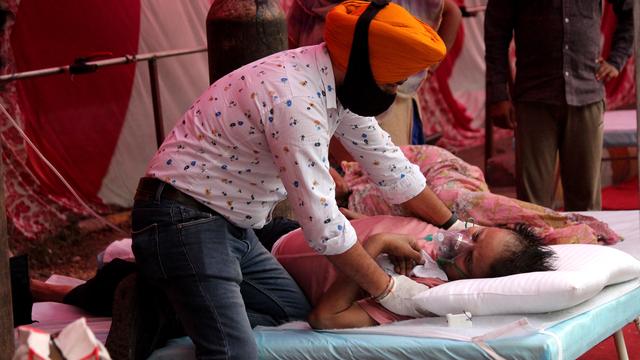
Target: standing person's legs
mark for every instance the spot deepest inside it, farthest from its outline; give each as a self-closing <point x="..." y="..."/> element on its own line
<point x="194" y="257"/>
<point x="581" y="156"/>
<point x="536" y="149"/>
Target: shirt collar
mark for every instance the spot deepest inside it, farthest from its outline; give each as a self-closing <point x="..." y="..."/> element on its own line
<point x="325" y="68"/>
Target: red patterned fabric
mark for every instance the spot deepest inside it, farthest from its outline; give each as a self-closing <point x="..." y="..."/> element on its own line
<point x="36" y="201"/>
<point x="28" y="208"/>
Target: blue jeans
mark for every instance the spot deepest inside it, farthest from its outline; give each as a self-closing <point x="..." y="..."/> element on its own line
<point x="218" y="277"/>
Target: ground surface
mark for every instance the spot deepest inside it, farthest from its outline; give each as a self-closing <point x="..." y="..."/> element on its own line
<point x="72" y="252"/>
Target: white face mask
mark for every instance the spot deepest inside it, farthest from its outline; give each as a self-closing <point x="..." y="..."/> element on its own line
<point x="411" y="85"/>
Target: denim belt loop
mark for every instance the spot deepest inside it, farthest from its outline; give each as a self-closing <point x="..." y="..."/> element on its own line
<point x="161" y="186"/>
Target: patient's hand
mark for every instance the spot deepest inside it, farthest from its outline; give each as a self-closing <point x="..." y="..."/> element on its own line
<point x="403" y="250"/>
<point x="603" y="232"/>
<point x="351" y="215"/>
<point x="342" y="189"/>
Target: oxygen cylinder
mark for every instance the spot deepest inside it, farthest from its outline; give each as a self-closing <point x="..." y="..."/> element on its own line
<point x="241" y="31"/>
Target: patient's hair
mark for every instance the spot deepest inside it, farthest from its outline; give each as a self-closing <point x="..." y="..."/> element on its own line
<point x="527" y="254"/>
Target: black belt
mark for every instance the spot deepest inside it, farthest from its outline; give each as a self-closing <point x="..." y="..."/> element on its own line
<point x="149" y="187"/>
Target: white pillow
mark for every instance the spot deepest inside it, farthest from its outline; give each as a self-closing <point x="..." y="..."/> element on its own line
<point x="582" y="271"/>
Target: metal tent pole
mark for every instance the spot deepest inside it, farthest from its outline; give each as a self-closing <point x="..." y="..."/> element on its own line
<point x="90" y="66"/>
<point x="83" y="67"/>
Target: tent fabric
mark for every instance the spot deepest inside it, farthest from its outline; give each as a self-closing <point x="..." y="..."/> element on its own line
<point x="97" y="129"/>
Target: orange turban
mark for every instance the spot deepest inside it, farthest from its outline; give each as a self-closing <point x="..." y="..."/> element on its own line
<point x="399" y="44"/>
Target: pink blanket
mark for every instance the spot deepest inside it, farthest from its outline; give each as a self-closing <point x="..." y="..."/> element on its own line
<point x="463" y="189"/>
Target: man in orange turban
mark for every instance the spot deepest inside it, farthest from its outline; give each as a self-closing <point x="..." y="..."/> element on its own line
<point x="400" y="45"/>
<point x="377" y="47"/>
<point x="259" y="135"/>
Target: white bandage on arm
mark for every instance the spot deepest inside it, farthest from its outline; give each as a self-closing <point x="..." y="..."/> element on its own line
<point x="400" y="298"/>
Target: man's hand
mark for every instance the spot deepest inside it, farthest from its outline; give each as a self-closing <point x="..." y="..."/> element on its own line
<point x="606" y="71"/>
<point x="400" y="299"/>
<point x="502" y="114"/>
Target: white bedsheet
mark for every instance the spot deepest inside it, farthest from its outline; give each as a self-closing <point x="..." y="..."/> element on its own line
<point x="627" y="224"/>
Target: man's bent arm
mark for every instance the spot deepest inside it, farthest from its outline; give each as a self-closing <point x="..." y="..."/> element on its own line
<point x="428" y="207"/>
<point x="360" y="267"/>
<point x="622" y="42"/>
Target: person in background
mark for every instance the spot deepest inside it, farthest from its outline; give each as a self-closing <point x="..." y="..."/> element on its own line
<point x="557" y="101"/>
<point x="258" y="135"/>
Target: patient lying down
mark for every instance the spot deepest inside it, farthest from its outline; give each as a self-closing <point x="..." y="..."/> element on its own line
<point x="339" y="303"/>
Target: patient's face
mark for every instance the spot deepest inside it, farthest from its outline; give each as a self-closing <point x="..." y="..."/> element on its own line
<point x="490" y="243"/>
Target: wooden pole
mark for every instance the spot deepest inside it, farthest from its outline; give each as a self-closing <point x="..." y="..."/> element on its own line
<point x="6" y="308"/>
<point x="157" y="103"/>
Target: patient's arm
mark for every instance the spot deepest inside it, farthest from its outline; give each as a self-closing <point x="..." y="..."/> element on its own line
<point x="43" y="291"/>
<point x="342" y="189"/>
<point x="351" y="215"/>
<point x="337" y="308"/>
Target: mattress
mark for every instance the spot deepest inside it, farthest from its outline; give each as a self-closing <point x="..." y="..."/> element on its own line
<point x="620" y="128"/>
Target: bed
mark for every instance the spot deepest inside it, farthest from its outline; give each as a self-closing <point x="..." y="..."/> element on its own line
<point x="620" y="128"/>
<point x="557" y="335"/>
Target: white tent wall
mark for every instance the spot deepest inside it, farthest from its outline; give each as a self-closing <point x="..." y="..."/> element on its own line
<point x="467" y="80"/>
<point x="164" y="25"/>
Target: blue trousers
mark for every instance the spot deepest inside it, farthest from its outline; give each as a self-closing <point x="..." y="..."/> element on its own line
<point x="217" y="277"/>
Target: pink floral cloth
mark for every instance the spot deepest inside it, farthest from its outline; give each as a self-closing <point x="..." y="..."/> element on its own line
<point x="463" y="189"/>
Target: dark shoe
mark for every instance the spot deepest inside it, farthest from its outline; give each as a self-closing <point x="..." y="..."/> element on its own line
<point x="22" y="299"/>
<point x="142" y="321"/>
<point x="96" y="295"/>
<point x="120" y="343"/>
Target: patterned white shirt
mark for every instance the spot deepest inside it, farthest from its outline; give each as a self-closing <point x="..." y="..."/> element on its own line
<point x="262" y="132"/>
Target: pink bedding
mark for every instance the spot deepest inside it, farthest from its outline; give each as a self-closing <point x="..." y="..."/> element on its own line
<point x="463" y="189"/>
